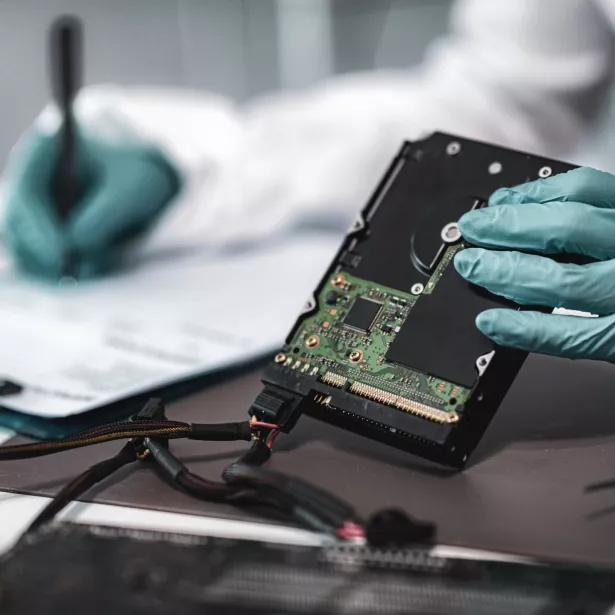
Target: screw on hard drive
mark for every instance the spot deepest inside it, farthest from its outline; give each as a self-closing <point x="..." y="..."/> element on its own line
<point x="450" y="233"/>
<point x="482" y="363"/>
<point x="453" y="148"/>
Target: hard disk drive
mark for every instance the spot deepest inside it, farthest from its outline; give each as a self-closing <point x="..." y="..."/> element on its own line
<point x="387" y="346"/>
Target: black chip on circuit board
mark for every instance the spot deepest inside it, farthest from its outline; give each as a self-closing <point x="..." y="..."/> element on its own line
<point x="362" y="314"/>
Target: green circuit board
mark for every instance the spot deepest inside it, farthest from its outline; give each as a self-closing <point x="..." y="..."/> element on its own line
<point x="345" y="341"/>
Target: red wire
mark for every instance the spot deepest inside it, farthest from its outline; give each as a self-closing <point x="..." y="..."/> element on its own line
<point x="272" y="436"/>
<point x="350" y="530"/>
<point x="265" y="425"/>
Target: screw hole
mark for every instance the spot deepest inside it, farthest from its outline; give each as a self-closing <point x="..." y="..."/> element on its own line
<point x="453" y="148"/>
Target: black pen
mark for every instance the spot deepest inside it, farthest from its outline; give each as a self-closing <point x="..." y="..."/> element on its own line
<point x="65" y="57"/>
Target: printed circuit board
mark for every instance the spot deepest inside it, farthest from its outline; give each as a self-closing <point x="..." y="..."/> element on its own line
<point x="345" y="343"/>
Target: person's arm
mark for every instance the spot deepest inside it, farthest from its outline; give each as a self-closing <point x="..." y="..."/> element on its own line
<point x="522" y="73"/>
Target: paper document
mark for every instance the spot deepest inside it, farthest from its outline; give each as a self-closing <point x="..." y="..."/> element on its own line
<point x="79" y="347"/>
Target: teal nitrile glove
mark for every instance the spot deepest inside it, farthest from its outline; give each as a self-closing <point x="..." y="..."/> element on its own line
<point x="573" y="212"/>
<point x="122" y="191"/>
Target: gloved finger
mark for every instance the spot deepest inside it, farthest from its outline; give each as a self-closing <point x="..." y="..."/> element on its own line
<point x="537" y="280"/>
<point x="31" y="230"/>
<point x="31" y="165"/>
<point x="127" y="194"/>
<point x="94" y="264"/>
<point x="32" y="264"/>
<point x="87" y="266"/>
<point x="543" y="227"/>
<point x="584" y="185"/>
<point x="574" y="337"/>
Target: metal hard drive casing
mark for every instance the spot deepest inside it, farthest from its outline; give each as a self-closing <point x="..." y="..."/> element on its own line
<point x="428" y="186"/>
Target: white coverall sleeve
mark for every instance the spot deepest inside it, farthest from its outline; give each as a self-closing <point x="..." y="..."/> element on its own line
<point x="522" y="73"/>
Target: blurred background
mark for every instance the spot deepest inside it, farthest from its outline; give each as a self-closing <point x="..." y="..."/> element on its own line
<point x="238" y="48"/>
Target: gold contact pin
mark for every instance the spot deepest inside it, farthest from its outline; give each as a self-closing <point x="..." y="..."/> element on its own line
<point x="403" y="403"/>
<point x="312" y="341"/>
<point x="356" y="356"/>
<point x="334" y="379"/>
<point x="338" y="280"/>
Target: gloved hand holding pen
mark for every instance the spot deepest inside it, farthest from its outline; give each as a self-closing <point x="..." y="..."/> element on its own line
<point x="573" y="212"/>
<point x="122" y="189"/>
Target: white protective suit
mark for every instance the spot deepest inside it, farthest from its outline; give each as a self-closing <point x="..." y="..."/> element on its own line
<point x="529" y="74"/>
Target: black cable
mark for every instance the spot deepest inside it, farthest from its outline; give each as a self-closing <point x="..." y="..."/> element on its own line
<point x="254" y="495"/>
<point x="149" y="423"/>
<point x="130" y="425"/>
<point x="221" y="431"/>
<point x="209" y="490"/>
<point x="83" y="482"/>
<point x="243" y="492"/>
<point x="326" y="505"/>
<point x="130" y="429"/>
<point x="39" y="449"/>
<point x="601" y="486"/>
<point x="256" y="455"/>
<point x="177" y="473"/>
<point x="244" y="483"/>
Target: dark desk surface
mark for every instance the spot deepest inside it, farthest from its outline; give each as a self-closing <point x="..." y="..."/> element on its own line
<point x="522" y="493"/>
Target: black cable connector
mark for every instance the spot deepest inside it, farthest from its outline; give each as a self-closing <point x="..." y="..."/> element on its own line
<point x="169" y="465"/>
<point x="394" y="528"/>
<point x="153" y="410"/>
<point x="221" y="431"/>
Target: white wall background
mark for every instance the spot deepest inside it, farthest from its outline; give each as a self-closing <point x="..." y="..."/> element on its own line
<point x="238" y="48"/>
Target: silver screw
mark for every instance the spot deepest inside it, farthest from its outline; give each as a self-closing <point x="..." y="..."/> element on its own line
<point x="483" y="361"/>
<point x="453" y="148"/>
<point x="495" y="168"/>
<point x="417" y="289"/>
<point x="545" y="172"/>
<point x="450" y="233"/>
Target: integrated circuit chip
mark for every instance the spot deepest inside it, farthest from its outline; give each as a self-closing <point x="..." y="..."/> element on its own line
<point x="362" y="314"/>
